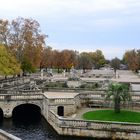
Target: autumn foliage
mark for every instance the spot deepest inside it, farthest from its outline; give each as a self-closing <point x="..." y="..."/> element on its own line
<point x="23" y="41"/>
<point x="132" y="58"/>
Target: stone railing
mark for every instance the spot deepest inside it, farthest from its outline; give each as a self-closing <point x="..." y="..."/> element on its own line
<point x="103" y="125"/>
<point x="2" y="91"/>
<point x="102" y="129"/>
<point x="6" y="136"/>
<point x="61" y="101"/>
<point x="10" y="97"/>
<point x="99" y="95"/>
<point x="13" y="82"/>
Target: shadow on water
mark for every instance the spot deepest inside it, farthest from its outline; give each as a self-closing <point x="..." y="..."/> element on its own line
<point x="28" y="124"/>
<point x="26" y="114"/>
<point x="1" y="116"/>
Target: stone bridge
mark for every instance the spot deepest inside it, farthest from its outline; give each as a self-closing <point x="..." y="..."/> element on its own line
<point x="9" y="101"/>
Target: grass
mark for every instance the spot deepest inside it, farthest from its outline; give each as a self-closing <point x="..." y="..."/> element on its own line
<point x="110" y="115"/>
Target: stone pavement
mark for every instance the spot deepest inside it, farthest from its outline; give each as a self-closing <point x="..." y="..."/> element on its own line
<point x="81" y="111"/>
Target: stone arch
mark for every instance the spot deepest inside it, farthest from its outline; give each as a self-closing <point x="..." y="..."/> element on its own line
<point x="60" y="110"/>
<point x="26" y="110"/>
<point x="28" y="103"/>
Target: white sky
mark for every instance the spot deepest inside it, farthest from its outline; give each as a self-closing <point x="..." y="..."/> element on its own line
<point x="82" y="25"/>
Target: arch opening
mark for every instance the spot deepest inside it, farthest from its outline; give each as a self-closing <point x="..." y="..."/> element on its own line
<point x="60" y="110"/>
<point x="1" y="115"/>
<point x="26" y="113"/>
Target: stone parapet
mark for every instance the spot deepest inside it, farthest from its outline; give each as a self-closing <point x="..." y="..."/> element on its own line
<point x="96" y="129"/>
<point x="7" y="136"/>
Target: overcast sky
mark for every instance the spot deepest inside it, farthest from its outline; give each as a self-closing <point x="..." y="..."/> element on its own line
<point x="112" y="26"/>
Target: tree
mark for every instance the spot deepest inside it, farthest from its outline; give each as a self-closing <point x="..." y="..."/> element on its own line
<point x="118" y="92"/>
<point x="26" y="66"/>
<point x="24" y="38"/>
<point x="8" y="63"/>
<point x="34" y="41"/>
<point x="47" y="58"/>
<point x="68" y="59"/>
<point x="57" y="60"/>
<point x="4" y="32"/>
<point x="99" y="59"/>
<point x="88" y="60"/>
<point x="132" y="58"/>
<point x="85" y="61"/>
<point x="16" y="39"/>
<point x="115" y="63"/>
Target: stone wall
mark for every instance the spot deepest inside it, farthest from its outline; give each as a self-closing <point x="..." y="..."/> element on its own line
<point x="70" y="104"/>
<point x="96" y="129"/>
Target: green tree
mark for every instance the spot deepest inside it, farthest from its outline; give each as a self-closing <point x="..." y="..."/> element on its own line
<point x="115" y="64"/>
<point x="99" y="59"/>
<point x="26" y="66"/>
<point x="8" y="63"/>
<point x="118" y="92"/>
<point x="85" y="61"/>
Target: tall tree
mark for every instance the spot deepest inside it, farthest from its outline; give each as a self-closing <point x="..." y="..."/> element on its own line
<point x="132" y="59"/>
<point x="27" y="41"/>
<point x="85" y="61"/>
<point x="34" y="41"/>
<point x="47" y="58"/>
<point x="4" y="32"/>
<point x="99" y="59"/>
<point x="16" y="40"/>
<point x="69" y="59"/>
<point x="115" y="63"/>
<point x="57" y="60"/>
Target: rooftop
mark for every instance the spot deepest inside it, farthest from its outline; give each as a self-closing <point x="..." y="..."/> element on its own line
<point x="56" y="95"/>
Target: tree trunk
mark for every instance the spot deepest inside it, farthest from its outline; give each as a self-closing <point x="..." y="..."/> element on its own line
<point x="117" y="105"/>
<point x="58" y="70"/>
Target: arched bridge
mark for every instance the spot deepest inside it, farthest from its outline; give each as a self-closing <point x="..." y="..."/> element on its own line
<point x="10" y="100"/>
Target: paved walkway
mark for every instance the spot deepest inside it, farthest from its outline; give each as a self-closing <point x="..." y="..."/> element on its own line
<point x="81" y="111"/>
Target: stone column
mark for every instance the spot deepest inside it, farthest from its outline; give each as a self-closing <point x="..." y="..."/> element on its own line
<point x="42" y="74"/>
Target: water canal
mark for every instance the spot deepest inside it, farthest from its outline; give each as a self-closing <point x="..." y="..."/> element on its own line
<point x="33" y="129"/>
<point x="28" y="124"/>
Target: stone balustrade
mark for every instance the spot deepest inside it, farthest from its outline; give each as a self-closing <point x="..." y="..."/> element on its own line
<point x="21" y="97"/>
<point x="135" y="97"/>
<point x="107" y="125"/>
<point x="104" y="129"/>
<point x="61" y="101"/>
<point x="2" y="91"/>
<point x="27" y="97"/>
